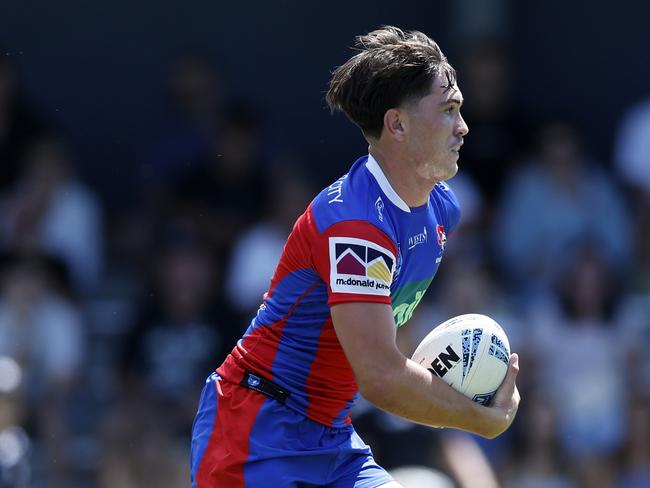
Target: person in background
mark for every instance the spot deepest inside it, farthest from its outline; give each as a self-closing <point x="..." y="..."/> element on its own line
<point x="572" y="331"/>
<point x="632" y="151"/>
<point x="49" y="211"/>
<point x="256" y="251"/>
<point x="556" y="200"/>
<point x="43" y="329"/>
<point x="18" y="124"/>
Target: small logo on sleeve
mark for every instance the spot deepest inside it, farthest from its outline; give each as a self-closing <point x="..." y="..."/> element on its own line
<point x="379" y="205"/>
<point x="360" y="266"/>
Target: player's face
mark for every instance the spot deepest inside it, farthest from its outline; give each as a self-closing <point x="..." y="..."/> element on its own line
<point x="436" y="130"/>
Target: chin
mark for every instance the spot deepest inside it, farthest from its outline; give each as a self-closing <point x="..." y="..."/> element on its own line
<point x="438" y="172"/>
<point x="450" y="173"/>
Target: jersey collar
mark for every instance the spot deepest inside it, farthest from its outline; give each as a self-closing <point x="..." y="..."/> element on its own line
<point x="384" y="184"/>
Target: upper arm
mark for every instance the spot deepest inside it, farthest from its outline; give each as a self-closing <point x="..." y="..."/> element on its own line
<point x="367" y="332"/>
<point x="357" y="261"/>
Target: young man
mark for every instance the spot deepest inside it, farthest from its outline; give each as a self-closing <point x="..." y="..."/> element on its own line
<point x="275" y="413"/>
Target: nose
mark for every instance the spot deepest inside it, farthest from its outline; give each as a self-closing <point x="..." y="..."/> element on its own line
<point x="461" y="128"/>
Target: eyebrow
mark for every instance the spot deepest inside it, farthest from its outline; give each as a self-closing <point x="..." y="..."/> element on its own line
<point x="457" y="101"/>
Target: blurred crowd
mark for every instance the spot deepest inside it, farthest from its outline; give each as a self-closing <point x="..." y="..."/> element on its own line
<point x="111" y="318"/>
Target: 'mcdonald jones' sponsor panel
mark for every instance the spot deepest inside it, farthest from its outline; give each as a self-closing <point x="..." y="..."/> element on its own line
<point x="360" y="266"/>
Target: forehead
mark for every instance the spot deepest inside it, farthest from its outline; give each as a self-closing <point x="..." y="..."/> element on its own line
<point x="445" y="89"/>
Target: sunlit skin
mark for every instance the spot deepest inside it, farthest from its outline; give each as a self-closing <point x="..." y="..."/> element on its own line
<point x="420" y="142"/>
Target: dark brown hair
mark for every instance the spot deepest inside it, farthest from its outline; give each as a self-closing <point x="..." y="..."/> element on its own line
<point x="392" y="67"/>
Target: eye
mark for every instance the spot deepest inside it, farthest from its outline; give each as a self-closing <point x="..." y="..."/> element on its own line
<point x="450" y="109"/>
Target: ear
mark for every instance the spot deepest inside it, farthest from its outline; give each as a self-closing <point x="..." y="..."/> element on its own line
<point x="395" y="124"/>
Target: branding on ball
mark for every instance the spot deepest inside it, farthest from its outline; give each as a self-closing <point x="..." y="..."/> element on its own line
<point x="444" y="362"/>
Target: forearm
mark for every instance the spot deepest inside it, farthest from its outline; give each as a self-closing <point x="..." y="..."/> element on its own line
<point x="398" y="385"/>
<point x="410" y="391"/>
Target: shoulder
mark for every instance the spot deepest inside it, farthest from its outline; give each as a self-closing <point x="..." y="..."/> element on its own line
<point x="353" y="197"/>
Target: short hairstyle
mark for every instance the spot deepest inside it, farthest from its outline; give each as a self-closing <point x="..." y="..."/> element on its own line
<point x="392" y="67"/>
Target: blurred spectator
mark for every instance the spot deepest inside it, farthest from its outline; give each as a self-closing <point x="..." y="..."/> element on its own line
<point x="138" y="450"/>
<point x="465" y="461"/>
<point x="421" y="477"/>
<point x="183" y="331"/>
<point x="15" y="444"/>
<point x="536" y="459"/>
<point x="256" y="252"/>
<point x="583" y="357"/>
<point x="44" y="331"/>
<point x="635" y="469"/>
<point x="632" y="151"/>
<point x="469" y="242"/>
<point x="48" y="210"/>
<point x="192" y="120"/>
<point x="497" y="130"/>
<point x="226" y="193"/>
<point x="640" y="273"/>
<point x="18" y="126"/>
<point x="557" y="200"/>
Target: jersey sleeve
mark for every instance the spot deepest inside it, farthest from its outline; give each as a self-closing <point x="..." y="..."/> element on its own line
<point x="357" y="262"/>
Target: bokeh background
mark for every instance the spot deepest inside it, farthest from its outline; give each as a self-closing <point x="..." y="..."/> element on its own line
<point x="153" y="157"/>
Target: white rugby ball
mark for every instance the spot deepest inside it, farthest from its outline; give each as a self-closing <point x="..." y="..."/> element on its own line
<point x="469" y="352"/>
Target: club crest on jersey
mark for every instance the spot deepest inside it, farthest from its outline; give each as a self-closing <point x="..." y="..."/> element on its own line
<point x="442" y="236"/>
<point x="360" y="266"/>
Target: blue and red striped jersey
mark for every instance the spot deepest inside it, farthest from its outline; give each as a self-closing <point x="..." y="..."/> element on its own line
<point x="358" y="241"/>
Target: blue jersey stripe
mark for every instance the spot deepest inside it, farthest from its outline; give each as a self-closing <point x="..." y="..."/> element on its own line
<point x="202" y="428"/>
<point x="298" y="346"/>
<point x="345" y="411"/>
<point x="285" y="295"/>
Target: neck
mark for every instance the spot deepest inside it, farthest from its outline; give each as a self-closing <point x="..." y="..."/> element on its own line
<point x="403" y="177"/>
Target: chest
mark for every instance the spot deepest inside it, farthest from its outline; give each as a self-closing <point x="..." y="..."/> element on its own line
<point x="420" y="244"/>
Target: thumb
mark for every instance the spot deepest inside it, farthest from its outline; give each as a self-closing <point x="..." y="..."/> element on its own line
<point x="513" y="369"/>
<point x="507" y="388"/>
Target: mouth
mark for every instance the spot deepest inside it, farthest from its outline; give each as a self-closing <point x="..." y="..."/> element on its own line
<point x="456" y="148"/>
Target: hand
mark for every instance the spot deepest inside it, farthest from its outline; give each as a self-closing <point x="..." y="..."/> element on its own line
<point x="504" y="405"/>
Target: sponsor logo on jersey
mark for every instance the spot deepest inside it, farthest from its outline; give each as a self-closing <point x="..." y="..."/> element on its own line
<point x="379" y="205"/>
<point x="360" y="266"/>
<point x="335" y="189"/>
<point x="404" y="311"/>
<point x="420" y="238"/>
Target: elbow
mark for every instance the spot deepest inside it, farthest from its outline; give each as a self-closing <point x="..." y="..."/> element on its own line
<point x="375" y="384"/>
<point x="370" y="388"/>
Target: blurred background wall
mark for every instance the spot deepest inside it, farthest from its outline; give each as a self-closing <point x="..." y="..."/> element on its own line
<point x="153" y="157"/>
